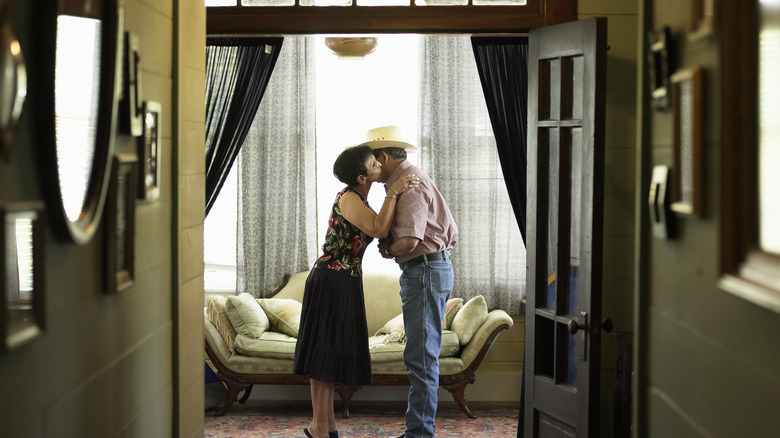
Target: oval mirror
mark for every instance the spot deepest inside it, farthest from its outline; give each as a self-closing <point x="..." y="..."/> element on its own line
<point x="84" y="114"/>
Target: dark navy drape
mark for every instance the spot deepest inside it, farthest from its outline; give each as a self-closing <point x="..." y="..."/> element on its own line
<point x="237" y="73"/>
<point x="502" y="63"/>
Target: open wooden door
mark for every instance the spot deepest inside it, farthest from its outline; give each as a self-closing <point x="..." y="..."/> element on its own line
<point x="566" y="95"/>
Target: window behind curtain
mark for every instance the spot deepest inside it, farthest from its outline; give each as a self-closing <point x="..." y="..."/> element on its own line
<point x="384" y="88"/>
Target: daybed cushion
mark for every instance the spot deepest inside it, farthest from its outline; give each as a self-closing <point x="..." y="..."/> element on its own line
<point x="215" y="309"/>
<point x="383" y="351"/>
<point x="393" y="330"/>
<point x="272" y="345"/>
<point x="284" y="314"/>
<point x="470" y="318"/>
<point x="246" y="315"/>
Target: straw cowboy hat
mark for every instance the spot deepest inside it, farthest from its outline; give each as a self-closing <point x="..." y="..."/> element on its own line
<point x="387" y="137"/>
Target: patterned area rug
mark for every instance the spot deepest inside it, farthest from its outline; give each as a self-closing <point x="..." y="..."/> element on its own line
<point x="369" y="419"/>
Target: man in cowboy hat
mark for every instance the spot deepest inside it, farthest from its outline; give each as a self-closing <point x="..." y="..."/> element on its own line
<point x="421" y="239"/>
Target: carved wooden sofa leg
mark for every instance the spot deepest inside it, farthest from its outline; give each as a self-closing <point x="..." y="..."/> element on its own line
<point x="247" y="391"/>
<point x="457" y="387"/>
<point x="232" y="394"/>
<point x="345" y="394"/>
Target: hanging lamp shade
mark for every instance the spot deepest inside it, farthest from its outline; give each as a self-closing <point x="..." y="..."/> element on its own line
<point x="351" y="46"/>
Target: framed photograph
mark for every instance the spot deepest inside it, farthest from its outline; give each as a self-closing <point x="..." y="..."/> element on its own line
<point x="688" y="148"/>
<point x="130" y="107"/>
<point x="120" y="225"/>
<point x="22" y="316"/>
<point x="149" y="153"/>
<point x="660" y="61"/>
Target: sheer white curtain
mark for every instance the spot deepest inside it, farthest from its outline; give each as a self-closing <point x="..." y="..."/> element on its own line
<point x="277" y="220"/>
<point x="458" y="150"/>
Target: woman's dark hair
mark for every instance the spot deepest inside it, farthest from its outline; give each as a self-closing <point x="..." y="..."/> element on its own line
<point x="351" y="163"/>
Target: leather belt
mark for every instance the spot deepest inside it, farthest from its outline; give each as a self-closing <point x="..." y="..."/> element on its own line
<point x="426" y="258"/>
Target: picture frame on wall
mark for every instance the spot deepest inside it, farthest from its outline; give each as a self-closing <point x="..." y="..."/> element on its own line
<point x="688" y="196"/>
<point x="120" y="225"/>
<point x="22" y="315"/>
<point x="149" y="152"/>
<point x="130" y="107"/>
<point x="660" y="61"/>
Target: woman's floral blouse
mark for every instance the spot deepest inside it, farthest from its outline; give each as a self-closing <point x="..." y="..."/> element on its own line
<point x="344" y="243"/>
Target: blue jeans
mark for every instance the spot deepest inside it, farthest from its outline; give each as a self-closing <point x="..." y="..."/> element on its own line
<point x="425" y="289"/>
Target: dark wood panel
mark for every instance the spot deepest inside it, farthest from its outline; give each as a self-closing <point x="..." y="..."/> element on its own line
<point x="301" y="20"/>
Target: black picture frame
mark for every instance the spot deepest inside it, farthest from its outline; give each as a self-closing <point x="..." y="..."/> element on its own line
<point x="22" y="313"/>
<point x="130" y="106"/>
<point x="120" y="225"/>
<point x="149" y="152"/>
<point x="660" y="61"/>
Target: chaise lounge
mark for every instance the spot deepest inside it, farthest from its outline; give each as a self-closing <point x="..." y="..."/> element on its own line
<point x="252" y="341"/>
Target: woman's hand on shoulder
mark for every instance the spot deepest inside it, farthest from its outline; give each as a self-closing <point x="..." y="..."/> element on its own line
<point x="403" y="183"/>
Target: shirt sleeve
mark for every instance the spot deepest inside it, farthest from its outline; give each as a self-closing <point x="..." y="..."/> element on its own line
<point x="411" y="213"/>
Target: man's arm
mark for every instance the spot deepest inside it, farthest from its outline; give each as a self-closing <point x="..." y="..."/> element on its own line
<point x="398" y="247"/>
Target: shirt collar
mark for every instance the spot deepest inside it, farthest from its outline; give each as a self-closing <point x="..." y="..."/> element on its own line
<point x="400" y="170"/>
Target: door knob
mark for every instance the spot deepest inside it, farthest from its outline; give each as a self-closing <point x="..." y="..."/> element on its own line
<point x="573" y="326"/>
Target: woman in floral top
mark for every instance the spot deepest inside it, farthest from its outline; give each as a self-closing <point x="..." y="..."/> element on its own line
<point x="333" y="337"/>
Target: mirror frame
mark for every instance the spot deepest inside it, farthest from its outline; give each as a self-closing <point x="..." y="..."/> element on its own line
<point x="82" y="230"/>
<point x="12" y="335"/>
<point x="11" y="55"/>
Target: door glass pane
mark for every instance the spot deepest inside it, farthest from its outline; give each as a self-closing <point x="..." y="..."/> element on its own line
<point x="544" y="354"/>
<point x="576" y="71"/>
<point x="553" y="178"/>
<point x="555" y="89"/>
<point x="769" y="127"/>
<point x="543" y="90"/>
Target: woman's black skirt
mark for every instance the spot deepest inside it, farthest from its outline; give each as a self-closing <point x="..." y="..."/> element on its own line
<point x="333" y="336"/>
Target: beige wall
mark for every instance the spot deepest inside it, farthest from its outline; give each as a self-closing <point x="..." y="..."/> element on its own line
<point x="190" y="169"/>
<point x="113" y="365"/>
<point x="709" y="367"/>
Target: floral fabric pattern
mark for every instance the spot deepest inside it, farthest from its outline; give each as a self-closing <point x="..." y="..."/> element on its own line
<point x="345" y="243"/>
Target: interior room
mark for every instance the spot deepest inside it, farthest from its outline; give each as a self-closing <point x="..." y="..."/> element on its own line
<point x="103" y="330"/>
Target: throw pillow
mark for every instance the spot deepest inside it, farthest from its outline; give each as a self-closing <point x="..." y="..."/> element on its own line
<point x="294" y="287"/>
<point x="393" y="329"/>
<point x="246" y="315"/>
<point x="284" y="314"/>
<point x="215" y="308"/>
<point x="453" y="306"/>
<point x="470" y="318"/>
